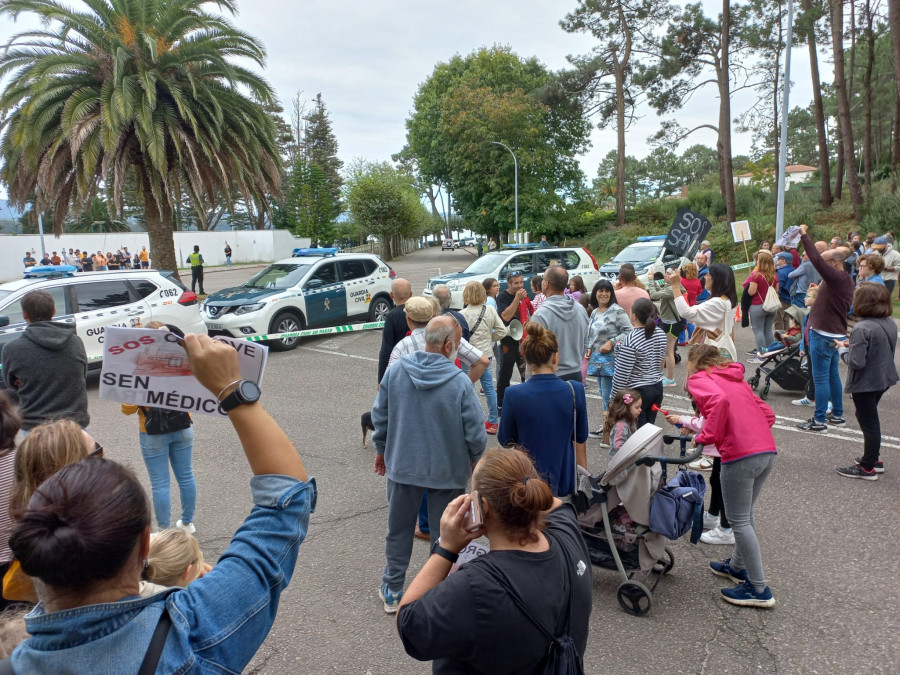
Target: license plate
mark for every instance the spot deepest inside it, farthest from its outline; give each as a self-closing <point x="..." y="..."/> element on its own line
<point x="214" y="326"/>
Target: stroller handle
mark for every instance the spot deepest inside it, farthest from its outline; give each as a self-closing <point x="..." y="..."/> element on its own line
<point x="687" y="459"/>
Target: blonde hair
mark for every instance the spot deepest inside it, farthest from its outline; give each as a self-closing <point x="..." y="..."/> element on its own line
<point x="689" y="270"/>
<point x="474" y="293"/>
<point x="172" y="551"/>
<point x="12" y="629"/>
<point x="765" y="265"/>
<point x="46" y="449"/>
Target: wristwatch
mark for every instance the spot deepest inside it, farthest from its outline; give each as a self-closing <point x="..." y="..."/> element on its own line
<point x="437" y="549"/>
<point x="245" y="392"/>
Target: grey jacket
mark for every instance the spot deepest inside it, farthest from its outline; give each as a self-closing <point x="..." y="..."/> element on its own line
<point x="568" y="320"/>
<point x="662" y="293"/>
<point x="870" y="358"/>
<point x="46" y="368"/>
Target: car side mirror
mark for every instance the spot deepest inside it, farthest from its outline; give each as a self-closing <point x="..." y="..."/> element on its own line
<point x="4" y="321"/>
<point x="314" y="283"/>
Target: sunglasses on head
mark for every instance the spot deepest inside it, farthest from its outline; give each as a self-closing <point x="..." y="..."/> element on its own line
<point x="513" y="274"/>
<point x="97" y="451"/>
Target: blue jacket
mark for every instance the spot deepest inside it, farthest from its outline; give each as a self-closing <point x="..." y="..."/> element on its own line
<point x="218" y="622"/>
<point x="538" y="416"/>
<point x="428" y="422"/>
<point x="784" y="282"/>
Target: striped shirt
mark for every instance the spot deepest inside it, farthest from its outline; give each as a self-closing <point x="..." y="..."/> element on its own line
<point x="639" y="360"/>
<point x="415" y="342"/>
<point x="7" y="462"/>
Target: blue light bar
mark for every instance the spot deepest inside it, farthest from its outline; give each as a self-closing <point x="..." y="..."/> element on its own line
<point x="655" y="237"/>
<point x="303" y="252"/>
<point x="520" y="246"/>
<point x="45" y="271"/>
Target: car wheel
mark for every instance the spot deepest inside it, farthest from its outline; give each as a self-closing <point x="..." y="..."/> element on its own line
<point x="285" y="322"/>
<point x="379" y="309"/>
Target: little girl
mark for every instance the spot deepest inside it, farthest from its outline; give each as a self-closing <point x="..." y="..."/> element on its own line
<point x="175" y="559"/>
<point x="621" y="421"/>
<point x="536" y="281"/>
<point x="718" y="529"/>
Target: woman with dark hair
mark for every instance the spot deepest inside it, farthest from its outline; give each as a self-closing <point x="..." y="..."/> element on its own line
<point x="492" y="288"/>
<point x="869" y="355"/>
<point x="544" y="414"/>
<point x="608" y="325"/>
<point x="639" y="359"/>
<point x="86" y="535"/>
<point x="713" y="318"/>
<point x="10" y="423"/>
<point x="470" y="621"/>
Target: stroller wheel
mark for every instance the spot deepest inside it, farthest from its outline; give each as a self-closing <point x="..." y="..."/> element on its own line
<point x="677" y="357"/>
<point x="810" y="390"/>
<point x="754" y="382"/>
<point x="664" y="565"/>
<point x="634" y="598"/>
<point x="764" y="394"/>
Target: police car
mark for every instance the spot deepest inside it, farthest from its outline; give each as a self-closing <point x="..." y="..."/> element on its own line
<point x="315" y="287"/>
<point x="645" y="253"/>
<point x="524" y="258"/>
<point x="93" y="301"/>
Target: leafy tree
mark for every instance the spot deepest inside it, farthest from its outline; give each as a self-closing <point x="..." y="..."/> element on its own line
<point x="808" y="29"/>
<point x="843" y="104"/>
<point x="607" y="182"/>
<point x="698" y="162"/>
<point x="310" y="199"/>
<point x="320" y="148"/>
<point x="145" y="88"/>
<point x="96" y="218"/>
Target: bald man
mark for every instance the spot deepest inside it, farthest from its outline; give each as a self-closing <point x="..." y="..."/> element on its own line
<point x="395" y="328"/>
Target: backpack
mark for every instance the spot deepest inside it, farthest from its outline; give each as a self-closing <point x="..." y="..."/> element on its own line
<point x="158" y="421"/>
<point x="678" y="506"/>
<point x="562" y="655"/>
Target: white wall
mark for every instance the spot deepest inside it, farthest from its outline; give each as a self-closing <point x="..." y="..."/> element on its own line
<point x="247" y="246"/>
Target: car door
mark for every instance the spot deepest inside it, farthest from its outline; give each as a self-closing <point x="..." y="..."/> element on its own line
<point x="521" y="262"/>
<point x="356" y="273"/>
<point x="100" y="304"/>
<point x="325" y="295"/>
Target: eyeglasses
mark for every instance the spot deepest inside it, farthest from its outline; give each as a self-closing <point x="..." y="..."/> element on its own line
<point x="97" y="452"/>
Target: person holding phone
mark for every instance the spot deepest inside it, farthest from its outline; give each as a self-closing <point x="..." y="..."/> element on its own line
<point x="468" y="621"/>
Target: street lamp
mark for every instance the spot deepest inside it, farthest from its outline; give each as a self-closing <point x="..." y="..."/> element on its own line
<point x="516" y="169"/>
<point x="782" y="155"/>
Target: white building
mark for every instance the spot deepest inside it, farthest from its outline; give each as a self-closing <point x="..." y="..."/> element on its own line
<point x="796" y="173"/>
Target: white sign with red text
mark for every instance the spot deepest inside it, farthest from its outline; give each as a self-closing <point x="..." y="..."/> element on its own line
<point x="149" y="367"/>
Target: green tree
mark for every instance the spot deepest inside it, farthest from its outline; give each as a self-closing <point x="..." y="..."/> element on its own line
<point x="96" y="218"/>
<point x="140" y="87"/>
<point x="636" y="187"/>
<point x="698" y="162"/>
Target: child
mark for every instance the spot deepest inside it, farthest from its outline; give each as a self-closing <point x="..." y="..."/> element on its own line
<point x="621" y="420"/>
<point x="175" y="559"/>
<point x="811" y="293"/>
<point x="576" y="288"/>
<point x="714" y="521"/>
<point x="536" y="281"/>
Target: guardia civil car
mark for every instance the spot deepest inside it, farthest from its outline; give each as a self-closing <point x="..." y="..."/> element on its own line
<point x="316" y="287"/>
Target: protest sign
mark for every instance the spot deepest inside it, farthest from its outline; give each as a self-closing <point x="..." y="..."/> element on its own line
<point x="688" y="230"/>
<point x="472" y="550"/>
<point x="790" y="238"/>
<point x="740" y="230"/>
<point x="148" y="367"/>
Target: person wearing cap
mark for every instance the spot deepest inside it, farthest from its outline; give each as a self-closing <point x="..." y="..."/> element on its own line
<point x="891" y="258"/>
<point x="707" y="251"/>
<point x="544" y="243"/>
<point x="783" y="267"/>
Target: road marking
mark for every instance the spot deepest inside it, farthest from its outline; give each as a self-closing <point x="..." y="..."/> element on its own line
<point x="332" y="353"/>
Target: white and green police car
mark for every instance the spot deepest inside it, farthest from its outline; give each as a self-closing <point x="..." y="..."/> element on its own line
<point x="316" y="287"/>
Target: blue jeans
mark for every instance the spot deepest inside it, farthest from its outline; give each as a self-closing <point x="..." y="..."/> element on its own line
<point x="487" y="383"/>
<point x="826" y="378"/>
<point x="158" y="451"/>
<point x="605" y="384"/>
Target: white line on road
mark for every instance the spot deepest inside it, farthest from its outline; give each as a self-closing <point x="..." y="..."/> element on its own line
<point x="333" y="353"/>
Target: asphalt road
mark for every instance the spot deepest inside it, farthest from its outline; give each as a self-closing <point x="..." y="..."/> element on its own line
<point x="829" y="544"/>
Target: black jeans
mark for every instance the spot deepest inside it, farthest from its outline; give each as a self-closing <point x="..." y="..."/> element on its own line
<point x="650" y="394"/>
<point x="197" y="277"/>
<point x="866" y="403"/>
<point x="572" y="377"/>
<point x="890" y="286"/>
<point x="716" y="503"/>
<point x="508" y="361"/>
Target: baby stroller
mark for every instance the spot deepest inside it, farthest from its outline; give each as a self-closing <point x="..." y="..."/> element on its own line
<point x="785" y="366"/>
<point x="613" y="506"/>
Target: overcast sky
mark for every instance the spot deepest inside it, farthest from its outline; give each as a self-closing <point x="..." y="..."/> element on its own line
<point x="368" y="59"/>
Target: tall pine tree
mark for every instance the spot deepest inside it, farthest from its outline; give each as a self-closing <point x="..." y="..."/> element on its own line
<point x="316" y="177"/>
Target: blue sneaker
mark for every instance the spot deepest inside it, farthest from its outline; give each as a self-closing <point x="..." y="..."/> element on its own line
<point x="724" y="569"/>
<point x="745" y="596"/>
<point x="390" y="599"/>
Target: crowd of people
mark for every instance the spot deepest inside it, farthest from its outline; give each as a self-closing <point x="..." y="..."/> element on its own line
<point x="85" y="261"/>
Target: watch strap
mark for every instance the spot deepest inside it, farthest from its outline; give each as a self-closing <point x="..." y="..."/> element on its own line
<point x="444" y="553"/>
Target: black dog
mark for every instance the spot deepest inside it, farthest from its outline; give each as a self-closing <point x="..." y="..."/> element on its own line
<point x="366" y="423"/>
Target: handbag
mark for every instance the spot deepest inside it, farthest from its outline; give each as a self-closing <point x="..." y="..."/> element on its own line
<point x="158" y="421"/>
<point x="601" y="364"/>
<point x="717" y="338"/>
<point x="771" y="303"/>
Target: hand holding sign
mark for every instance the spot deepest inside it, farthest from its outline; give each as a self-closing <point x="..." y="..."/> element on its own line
<point x="213" y="362"/>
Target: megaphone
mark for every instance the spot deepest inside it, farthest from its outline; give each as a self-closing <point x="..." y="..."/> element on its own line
<point x="515" y="329"/>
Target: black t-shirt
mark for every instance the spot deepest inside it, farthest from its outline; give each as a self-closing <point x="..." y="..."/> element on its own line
<point x="504" y="299"/>
<point x="468" y="624"/>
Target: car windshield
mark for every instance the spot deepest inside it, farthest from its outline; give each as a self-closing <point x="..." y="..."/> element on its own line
<point x="486" y="263"/>
<point x="638" y="254"/>
<point x="279" y="275"/>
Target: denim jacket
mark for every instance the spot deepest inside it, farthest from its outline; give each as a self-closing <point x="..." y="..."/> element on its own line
<point x="218" y="622"/>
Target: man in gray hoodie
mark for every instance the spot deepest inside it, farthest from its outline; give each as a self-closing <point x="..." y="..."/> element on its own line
<point x="429" y="432"/>
<point x="567" y="319"/>
<point x="46" y="367"/>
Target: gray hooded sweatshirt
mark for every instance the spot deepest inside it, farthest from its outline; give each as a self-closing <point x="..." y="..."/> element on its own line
<point x="46" y="368"/>
<point x="428" y="422"/>
<point x="568" y="320"/>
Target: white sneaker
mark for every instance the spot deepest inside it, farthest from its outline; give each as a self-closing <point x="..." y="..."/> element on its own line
<point x="187" y="527"/>
<point x="802" y="401"/>
<point x="710" y="522"/>
<point x="718" y="536"/>
<point x="702" y="464"/>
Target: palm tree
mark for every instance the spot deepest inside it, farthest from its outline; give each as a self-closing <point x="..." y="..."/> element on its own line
<point x="134" y="86"/>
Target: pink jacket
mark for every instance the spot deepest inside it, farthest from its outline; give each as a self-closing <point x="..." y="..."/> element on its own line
<point x="737" y="421"/>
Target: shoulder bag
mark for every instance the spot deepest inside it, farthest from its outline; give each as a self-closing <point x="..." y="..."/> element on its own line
<point x="478" y="323"/>
<point x="771" y="303"/>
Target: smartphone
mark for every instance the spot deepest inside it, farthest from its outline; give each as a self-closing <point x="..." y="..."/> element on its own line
<point x="475" y="517"/>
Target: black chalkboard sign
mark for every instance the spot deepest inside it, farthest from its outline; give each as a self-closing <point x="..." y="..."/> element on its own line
<point x="688" y="230"/>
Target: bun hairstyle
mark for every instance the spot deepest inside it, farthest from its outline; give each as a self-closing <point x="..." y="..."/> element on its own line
<point x="47" y="448"/>
<point x="82" y="525"/>
<point x="10" y="423"/>
<point x="705" y="357"/>
<point x="539" y="345"/>
<point x="171" y="552"/>
<point x="507" y="480"/>
<point x="645" y="312"/>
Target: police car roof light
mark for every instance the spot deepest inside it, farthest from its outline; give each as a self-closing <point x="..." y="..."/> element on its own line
<point x="655" y="237"/>
<point x="303" y="252"/>
<point x="49" y="272"/>
<point x="520" y="246"/>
